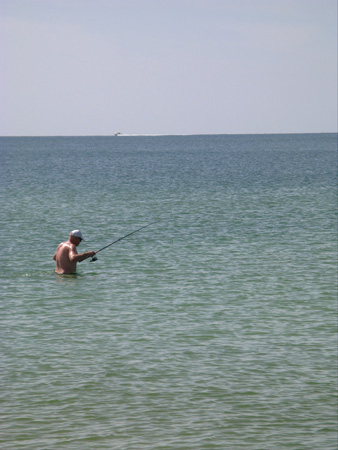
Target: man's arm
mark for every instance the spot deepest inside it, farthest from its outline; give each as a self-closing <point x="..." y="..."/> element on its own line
<point x="75" y="257"/>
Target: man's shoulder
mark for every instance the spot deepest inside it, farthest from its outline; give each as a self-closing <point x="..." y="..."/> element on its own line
<point x="66" y="244"/>
<point x="71" y="246"/>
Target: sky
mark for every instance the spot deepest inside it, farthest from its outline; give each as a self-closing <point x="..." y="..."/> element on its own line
<point x="96" y="67"/>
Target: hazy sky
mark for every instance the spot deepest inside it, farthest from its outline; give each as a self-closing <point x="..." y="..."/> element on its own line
<point x="93" y="67"/>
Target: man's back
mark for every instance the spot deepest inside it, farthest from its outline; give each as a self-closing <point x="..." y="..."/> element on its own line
<point x="62" y="258"/>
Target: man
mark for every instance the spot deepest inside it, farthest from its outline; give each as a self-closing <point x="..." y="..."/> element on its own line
<point x="66" y="255"/>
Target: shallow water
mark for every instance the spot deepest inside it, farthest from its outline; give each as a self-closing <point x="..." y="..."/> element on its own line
<point x="213" y="328"/>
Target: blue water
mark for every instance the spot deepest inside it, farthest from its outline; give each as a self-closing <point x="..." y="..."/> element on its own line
<point x="214" y="328"/>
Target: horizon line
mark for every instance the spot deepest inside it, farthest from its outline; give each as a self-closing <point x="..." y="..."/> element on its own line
<point x="164" y="134"/>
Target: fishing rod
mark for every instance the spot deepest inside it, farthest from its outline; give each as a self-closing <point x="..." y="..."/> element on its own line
<point x="120" y="239"/>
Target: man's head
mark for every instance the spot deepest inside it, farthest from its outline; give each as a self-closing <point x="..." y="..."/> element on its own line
<point x="76" y="237"/>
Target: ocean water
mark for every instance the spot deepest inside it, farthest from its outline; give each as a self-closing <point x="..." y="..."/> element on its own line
<point x="213" y="328"/>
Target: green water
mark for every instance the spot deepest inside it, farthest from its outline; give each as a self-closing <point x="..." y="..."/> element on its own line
<point x="214" y="328"/>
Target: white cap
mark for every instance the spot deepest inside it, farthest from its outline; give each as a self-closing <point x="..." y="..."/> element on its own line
<point x="77" y="233"/>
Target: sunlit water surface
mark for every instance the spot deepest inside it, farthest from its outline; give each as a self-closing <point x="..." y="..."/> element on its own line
<point x="214" y="328"/>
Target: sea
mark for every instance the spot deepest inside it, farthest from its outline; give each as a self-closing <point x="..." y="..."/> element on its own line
<point x="213" y="328"/>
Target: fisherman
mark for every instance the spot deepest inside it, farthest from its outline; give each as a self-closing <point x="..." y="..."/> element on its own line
<point x="66" y="255"/>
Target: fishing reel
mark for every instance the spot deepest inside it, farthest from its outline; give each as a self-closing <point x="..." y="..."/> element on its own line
<point x="93" y="259"/>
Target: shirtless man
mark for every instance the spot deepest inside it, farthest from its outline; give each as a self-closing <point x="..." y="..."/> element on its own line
<point x="66" y="255"/>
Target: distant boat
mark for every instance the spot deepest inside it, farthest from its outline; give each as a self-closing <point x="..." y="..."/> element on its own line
<point x="117" y="133"/>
